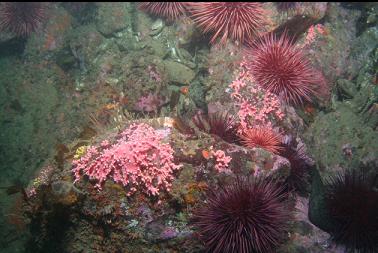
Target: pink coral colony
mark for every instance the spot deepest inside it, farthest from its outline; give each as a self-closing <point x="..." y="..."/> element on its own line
<point x="138" y="159"/>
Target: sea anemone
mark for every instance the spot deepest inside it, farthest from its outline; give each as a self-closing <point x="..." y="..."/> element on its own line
<point x="221" y="124"/>
<point x="239" y="21"/>
<point x="168" y="10"/>
<point x="281" y="68"/>
<point x="262" y="137"/>
<point x="352" y="202"/>
<point x="22" y="18"/>
<point x="244" y="216"/>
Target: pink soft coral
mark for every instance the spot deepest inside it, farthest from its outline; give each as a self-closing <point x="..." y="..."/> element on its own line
<point x="222" y="161"/>
<point x="256" y="106"/>
<point x="138" y="159"/>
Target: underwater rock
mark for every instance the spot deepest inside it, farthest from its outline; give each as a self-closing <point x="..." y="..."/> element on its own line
<point x="84" y="44"/>
<point x="306" y="237"/>
<point x="64" y="192"/>
<point x="317" y="211"/>
<point x="29" y="136"/>
<point x="157" y="27"/>
<point x="113" y="17"/>
<point x="156" y="231"/>
<point x="295" y="18"/>
<point x="216" y="81"/>
<point x="331" y="46"/>
<point x="365" y="44"/>
<point x="330" y="132"/>
<point x="178" y="73"/>
<point x="365" y="103"/>
<point x="197" y="94"/>
<point x="362" y="93"/>
<point x="53" y="36"/>
<point x="346" y="88"/>
<point x="156" y="47"/>
<point x="150" y="103"/>
<point x="5" y="36"/>
<point x="85" y="236"/>
<point x="124" y="38"/>
<point x="65" y="59"/>
<point x="186" y="30"/>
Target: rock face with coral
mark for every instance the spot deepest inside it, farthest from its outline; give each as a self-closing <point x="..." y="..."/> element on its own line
<point x="188" y="127"/>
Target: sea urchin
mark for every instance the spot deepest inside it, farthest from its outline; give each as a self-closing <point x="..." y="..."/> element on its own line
<point x="245" y="216"/>
<point x="221" y="124"/>
<point x="168" y="10"/>
<point x="281" y="68"/>
<point x="22" y="18"/>
<point x="239" y="21"/>
<point x="352" y="202"/>
<point x="262" y="137"/>
<point x="300" y="163"/>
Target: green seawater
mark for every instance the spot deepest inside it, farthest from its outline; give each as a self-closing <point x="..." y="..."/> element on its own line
<point x="75" y="74"/>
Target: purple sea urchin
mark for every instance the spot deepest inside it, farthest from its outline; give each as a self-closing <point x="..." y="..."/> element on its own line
<point x="352" y="202"/>
<point x="245" y="216"/>
<point x="300" y="163"/>
<point x="22" y="18"/>
<point x="221" y="124"/>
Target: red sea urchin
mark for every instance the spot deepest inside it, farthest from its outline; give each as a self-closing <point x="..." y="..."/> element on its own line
<point x="281" y="68"/>
<point x="168" y="10"/>
<point x="239" y="21"/>
<point x="262" y="137"/>
<point x="245" y="216"/>
<point x="352" y="202"/>
<point x="22" y="18"/>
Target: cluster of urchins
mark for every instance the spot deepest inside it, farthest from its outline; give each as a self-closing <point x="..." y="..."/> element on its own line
<point x="252" y="214"/>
